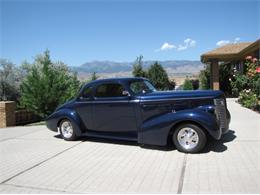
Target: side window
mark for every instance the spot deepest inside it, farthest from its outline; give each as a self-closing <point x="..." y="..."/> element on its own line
<point x="109" y="90"/>
<point x="87" y="92"/>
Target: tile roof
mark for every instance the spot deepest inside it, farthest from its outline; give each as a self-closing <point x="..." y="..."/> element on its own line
<point x="233" y="48"/>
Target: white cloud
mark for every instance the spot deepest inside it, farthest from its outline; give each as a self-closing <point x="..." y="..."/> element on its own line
<point x="167" y="46"/>
<point x="187" y="43"/>
<point x="190" y="42"/>
<point x="182" y="47"/>
<point x="225" y="42"/>
<point x="222" y="43"/>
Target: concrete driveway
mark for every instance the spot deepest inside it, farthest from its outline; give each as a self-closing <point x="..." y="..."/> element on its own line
<point x="34" y="160"/>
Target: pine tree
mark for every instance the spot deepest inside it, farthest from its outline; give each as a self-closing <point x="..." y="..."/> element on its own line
<point x="47" y="85"/>
<point x="138" y="67"/>
<point x="158" y="76"/>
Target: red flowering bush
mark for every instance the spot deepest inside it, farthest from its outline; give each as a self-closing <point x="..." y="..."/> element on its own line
<point x="251" y="67"/>
<point x="247" y="85"/>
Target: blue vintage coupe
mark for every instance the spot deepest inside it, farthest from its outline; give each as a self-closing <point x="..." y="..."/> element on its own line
<point x="132" y="109"/>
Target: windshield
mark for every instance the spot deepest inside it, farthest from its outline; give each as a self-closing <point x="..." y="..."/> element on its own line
<point x="141" y="86"/>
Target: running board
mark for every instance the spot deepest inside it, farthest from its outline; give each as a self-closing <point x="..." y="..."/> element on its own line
<point x="110" y="135"/>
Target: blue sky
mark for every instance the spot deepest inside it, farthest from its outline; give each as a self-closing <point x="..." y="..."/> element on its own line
<point x="79" y="31"/>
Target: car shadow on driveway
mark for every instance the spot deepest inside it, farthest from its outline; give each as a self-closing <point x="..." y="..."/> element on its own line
<point x="219" y="145"/>
<point x="212" y="145"/>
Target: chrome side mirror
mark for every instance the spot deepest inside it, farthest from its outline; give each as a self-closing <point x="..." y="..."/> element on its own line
<point x="125" y="93"/>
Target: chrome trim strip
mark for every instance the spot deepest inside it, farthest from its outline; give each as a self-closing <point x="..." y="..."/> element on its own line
<point x="108" y="102"/>
<point x="142" y="101"/>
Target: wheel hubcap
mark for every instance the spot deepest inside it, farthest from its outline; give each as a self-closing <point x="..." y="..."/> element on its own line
<point x="188" y="138"/>
<point x="66" y="129"/>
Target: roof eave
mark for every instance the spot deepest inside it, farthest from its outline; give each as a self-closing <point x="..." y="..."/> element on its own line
<point x="218" y="57"/>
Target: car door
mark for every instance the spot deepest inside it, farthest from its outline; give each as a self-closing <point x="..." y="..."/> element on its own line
<point x="84" y="106"/>
<point x="113" y="111"/>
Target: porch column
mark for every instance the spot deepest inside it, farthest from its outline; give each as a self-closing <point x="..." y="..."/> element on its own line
<point x="214" y="75"/>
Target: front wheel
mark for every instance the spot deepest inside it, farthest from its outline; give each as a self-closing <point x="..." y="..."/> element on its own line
<point x="189" y="138"/>
<point x="67" y="131"/>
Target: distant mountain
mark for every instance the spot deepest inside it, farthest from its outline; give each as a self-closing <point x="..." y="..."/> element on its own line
<point x="172" y="66"/>
<point x="104" y="67"/>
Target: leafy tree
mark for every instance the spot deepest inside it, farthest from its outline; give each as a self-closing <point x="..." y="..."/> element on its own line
<point x="158" y="76"/>
<point x="9" y="81"/>
<point x="47" y="85"/>
<point x="138" y="67"/>
<point x="187" y="84"/>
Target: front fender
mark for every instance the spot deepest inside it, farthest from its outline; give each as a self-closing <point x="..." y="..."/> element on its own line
<point x="156" y="130"/>
<point x="53" y="120"/>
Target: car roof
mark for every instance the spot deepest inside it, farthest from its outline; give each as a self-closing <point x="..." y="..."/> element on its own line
<point x="125" y="79"/>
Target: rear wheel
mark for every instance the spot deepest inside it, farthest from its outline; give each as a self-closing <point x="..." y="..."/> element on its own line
<point x="67" y="131"/>
<point x="189" y="138"/>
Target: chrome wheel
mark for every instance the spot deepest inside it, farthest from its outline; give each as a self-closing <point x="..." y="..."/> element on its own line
<point x="188" y="138"/>
<point x="66" y="129"/>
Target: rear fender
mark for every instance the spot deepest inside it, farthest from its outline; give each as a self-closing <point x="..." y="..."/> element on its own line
<point x="156" y="130"/>
<point x="54" y="119"/>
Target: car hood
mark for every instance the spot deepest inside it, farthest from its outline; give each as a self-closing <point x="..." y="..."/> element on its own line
<point x="181" y="94"/>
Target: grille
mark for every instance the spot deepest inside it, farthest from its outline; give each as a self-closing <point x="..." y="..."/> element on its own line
<point x="220" y="111"/>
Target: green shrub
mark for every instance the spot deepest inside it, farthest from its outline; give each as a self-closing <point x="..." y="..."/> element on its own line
<point x="256" y="85"/>
<point x="239" y="83"/>
<point x="248" y="99"/>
